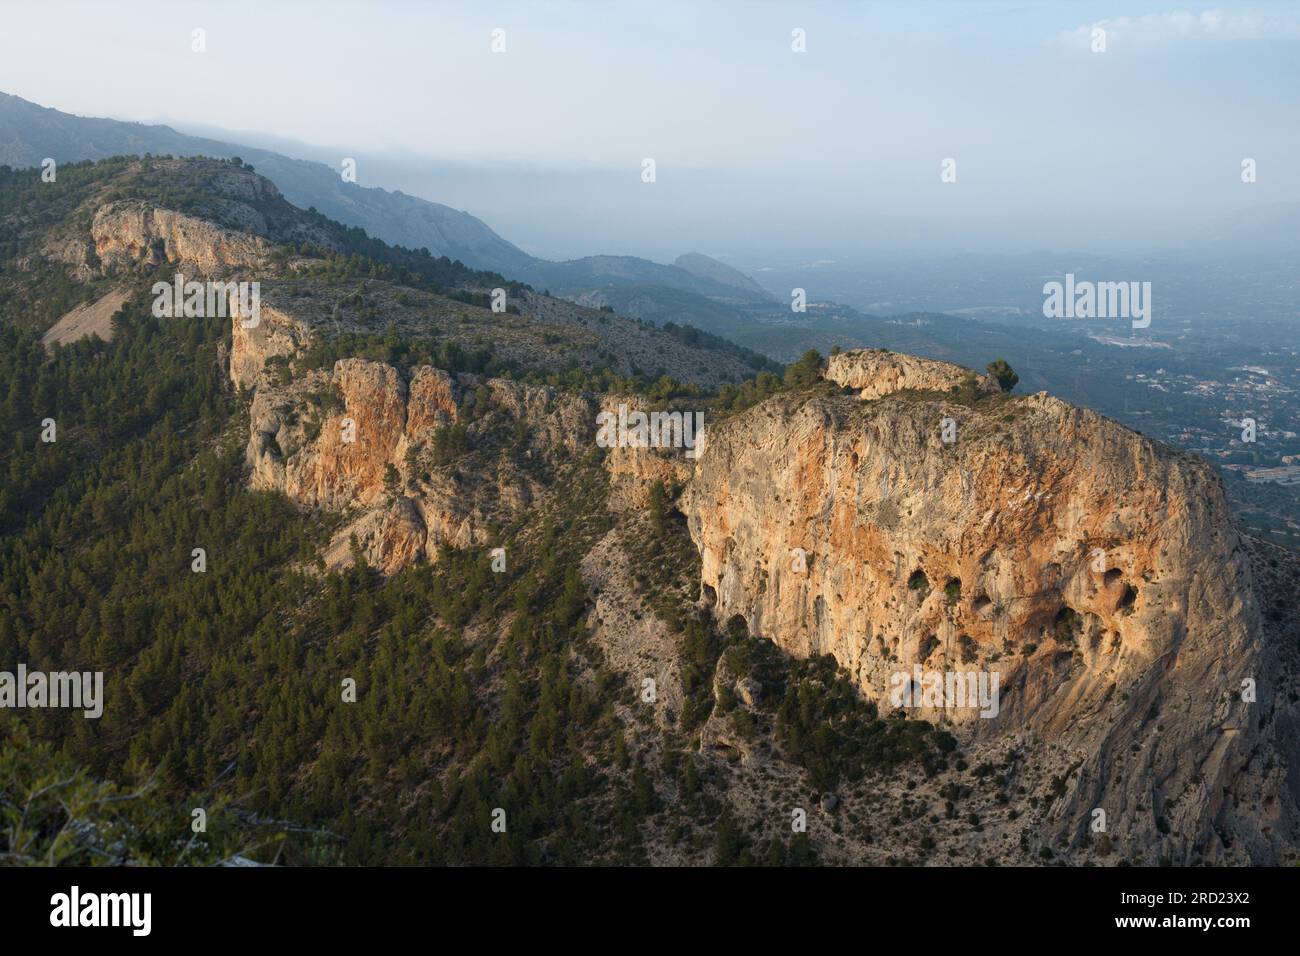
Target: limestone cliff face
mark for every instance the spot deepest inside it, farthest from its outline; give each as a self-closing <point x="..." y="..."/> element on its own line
<point x="876" y="372"/>
<point x="345" y="465"/>
<point x="276" y="335"/>
<point x="127" y="234"/>
<point x="1096" y="572"/>
<point x="330" y="438"/>
<point x="632" y="471"/>
<point x="233" y="219"/>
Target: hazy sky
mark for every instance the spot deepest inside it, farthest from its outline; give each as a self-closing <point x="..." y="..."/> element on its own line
<point x="830" y="152"/>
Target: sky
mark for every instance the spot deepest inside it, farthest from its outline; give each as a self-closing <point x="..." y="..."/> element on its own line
<point x="759" y="150"/>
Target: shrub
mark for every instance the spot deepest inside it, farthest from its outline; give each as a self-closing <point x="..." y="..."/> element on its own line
<point x="1004" y="374"/>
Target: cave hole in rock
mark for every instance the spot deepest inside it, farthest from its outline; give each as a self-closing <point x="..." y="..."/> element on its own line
<point x="1067" y="625"/>
<point x="738" y="627"/>
<point x="952" y="590"/>
<point x="969" y="650"/>
<point x="1128" y="598"/>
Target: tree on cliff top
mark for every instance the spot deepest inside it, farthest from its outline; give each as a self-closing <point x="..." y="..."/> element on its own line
<point x="805" y="371"/>
<point x="1004" y="373"/>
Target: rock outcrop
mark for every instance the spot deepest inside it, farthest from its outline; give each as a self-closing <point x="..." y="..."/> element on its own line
<point x="362" y="438"/>
<point x="633" y="471"/>
<point x="876" y="372"/>
<point x="276" y="336"/>
<point x="1096" y="572"/>
<point x="127" y="234"/>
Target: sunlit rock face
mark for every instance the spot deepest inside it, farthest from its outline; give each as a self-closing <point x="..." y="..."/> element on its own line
<point x="1094" y="571"/>
<point x="132" y="233"/>
<point x="876" y="372"/>
<point x="336" y="439"/>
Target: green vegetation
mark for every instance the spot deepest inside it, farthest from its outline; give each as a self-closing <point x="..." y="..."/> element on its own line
<point x="229" y="681"/>
<point x="449" y="443"/>
<point x="699" y="339"/>
<point x="806" y="371"/>
<point x="952" y="591"/>
<point x="1004" y="374"/>
<point x="750" y="392"/>
<point x="52" y="813"/>
<point x="402" y="353"/>
<point x="1067" y="626"/>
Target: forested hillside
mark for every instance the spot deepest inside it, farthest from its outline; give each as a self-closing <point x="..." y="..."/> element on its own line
<point x="228" y="688"/>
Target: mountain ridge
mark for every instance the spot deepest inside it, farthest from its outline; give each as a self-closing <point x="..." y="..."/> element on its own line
<point x="30" y="132"/>
<point x="395" y="484"/>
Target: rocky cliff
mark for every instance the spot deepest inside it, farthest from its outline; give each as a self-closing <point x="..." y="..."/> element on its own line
<point x="876" y="372"/>
<point x="127" y="234"/>
<point x="386" y="447"/>
<point x="1096" y="572"/>
<point x="130" y="235"/>
<point x="230" y="222"/>
<point x="903" y="516"/>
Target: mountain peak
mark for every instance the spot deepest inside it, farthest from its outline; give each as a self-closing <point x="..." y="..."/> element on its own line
<point x="705" y="267"/>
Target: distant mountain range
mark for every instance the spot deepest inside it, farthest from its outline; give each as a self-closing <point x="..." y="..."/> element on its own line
<point x="695" y="290"/>
<point x="29" y="133"/>
<point x="703" y="267"/>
